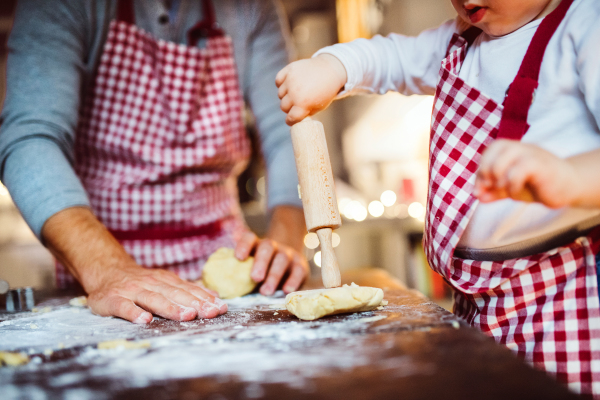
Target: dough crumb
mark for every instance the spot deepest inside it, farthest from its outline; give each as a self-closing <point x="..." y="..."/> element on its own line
<point x="33" y="326"/>
<point x="384" y="303"/>
<point x="80" y="301"/>
<point x="313" y="304"/>
<point x="276" y="313"/>
<point x="123" y="343"/>
<point x="380" y="308"/>
<point x="455" y="325"/>
<point x="48" y="352"/>
<point x="227" y="275"/>
<point x="13" y="359"/>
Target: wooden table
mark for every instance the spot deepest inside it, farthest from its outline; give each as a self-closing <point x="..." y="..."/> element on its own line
<point x="412" y="349"/>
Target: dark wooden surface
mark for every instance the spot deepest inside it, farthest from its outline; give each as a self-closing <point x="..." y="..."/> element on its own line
<point x="412" y="349"/>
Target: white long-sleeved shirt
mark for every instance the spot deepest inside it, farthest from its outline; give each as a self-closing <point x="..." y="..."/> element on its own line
<point x="564" y="117"/>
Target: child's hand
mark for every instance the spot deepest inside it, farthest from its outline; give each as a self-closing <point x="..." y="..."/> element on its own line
<point x="526" y="172"/>
<point x="308" y="86"/>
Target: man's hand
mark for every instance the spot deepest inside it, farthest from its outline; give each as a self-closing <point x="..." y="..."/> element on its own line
<point x="280" y="253"/>
<point x="115" y="284"/>
<point x="526" y="172"/>
<point x="309" y="86"/>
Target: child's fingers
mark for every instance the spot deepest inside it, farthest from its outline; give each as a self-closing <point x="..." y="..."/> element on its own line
<point x="286" y="104"/>
<point x="282" y="91"/>
<point x="295" y="115"/>
<point x="490" y="155"/>
<point x="281" y="75"/>
<point x="488" y="196"/>
<point x="496" y="162"/>
<point x="517" y="177"/>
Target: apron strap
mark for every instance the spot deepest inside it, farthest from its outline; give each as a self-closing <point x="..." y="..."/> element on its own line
<point x="471" y="34"/>
<point x="125" y="11"/>
<point x="521" y="91"/>
<point x="208" y="27"/>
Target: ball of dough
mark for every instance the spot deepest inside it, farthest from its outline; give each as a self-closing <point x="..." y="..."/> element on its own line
<point x="227" y="275"/>
<point x="313" y="304"/>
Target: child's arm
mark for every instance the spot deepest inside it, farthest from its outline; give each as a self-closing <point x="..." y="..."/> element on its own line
<point x="409" y="65"/>
<point x="526" y="172"/>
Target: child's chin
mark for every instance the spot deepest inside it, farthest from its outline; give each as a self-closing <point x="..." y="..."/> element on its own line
<point x="497" y="30"/>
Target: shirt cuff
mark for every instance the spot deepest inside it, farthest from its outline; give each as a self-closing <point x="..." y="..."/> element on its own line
<point x="41" y="181"/>
<point x="348" y="58"/>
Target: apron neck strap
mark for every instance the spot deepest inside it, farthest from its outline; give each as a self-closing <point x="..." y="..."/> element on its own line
<point x="471" y="34"/>
<point x="125" y="11"/>
<point x="208" y="27"/>
<point x="520" y="93"/>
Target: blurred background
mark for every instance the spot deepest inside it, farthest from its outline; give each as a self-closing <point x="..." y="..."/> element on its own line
<point x="378" y="147"/>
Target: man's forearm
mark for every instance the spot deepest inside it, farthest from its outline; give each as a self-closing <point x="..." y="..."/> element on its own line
<point x="84" y="246"/>
<point x="287" y="226"/>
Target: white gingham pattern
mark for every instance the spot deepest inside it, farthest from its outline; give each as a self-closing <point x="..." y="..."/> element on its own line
<point x="160" y="142"/>
<point x="544" y="307"/>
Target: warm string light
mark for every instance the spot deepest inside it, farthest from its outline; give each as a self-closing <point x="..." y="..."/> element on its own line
<point x="376" y="208"/>
<point x="311" y="240"/>
<point x="317" y="259"/>
<point x="388" y="198"/>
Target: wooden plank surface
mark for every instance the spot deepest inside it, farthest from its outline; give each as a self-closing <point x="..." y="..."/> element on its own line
<point x="412" y="349"/>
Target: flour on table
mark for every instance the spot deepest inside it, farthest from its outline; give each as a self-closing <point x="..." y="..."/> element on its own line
<point x="238" y="345"/>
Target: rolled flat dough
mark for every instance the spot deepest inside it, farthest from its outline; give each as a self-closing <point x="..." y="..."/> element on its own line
<point x="313" y="304"/>
<point x="227" y="275"/>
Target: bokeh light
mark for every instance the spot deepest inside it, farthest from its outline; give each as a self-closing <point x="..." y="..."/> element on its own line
<point x="376" y="208"/>
<point x="388" y="198"/>
<point x="416" y="210"/>
<point x="317" y="259"/>
<point x="311" y="240"/>
<point x="335" y="239"/>
<point x="261" y="185"/>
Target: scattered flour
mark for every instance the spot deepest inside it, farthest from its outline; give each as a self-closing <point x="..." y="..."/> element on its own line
<point x="238" y="344"/>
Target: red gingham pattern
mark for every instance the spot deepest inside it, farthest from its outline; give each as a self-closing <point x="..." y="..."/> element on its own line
<point x="544" y="307"/>
<point x="161" y="141"/>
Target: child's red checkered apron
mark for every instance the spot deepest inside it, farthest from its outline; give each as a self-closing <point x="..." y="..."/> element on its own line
<point x="544" y="307"/>
<point x="160" y="143"/>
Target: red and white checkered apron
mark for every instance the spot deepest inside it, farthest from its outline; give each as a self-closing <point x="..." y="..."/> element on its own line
<point x="160" y="143"/>
<point x="544" y="307"/>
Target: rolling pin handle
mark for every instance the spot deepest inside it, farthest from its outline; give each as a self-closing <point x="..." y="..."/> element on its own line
<point x="330" y="269"/>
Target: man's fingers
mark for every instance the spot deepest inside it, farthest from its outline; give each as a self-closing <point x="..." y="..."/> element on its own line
<point x="296" y="114"/>
<point x="201" y="301"/>
<point x="278" y="267"/>
<point x="245" y="245"/>
<point x="160" y="305"/>
<point x="207" y="290"/>
<point x="262" y="259"/>
<point x="297" y="276"/>
<point x="121" y="307"/>
<point x="281" y="75"/>
<point x="207" y="300"/>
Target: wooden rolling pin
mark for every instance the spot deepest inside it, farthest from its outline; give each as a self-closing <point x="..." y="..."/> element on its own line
<point x="317" y="192"/>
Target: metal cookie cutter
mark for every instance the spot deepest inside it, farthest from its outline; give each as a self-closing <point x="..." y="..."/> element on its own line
<point x="18" y="299"/>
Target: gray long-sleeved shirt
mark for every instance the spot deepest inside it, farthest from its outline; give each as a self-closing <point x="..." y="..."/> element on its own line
<point x="54" y="49"/>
